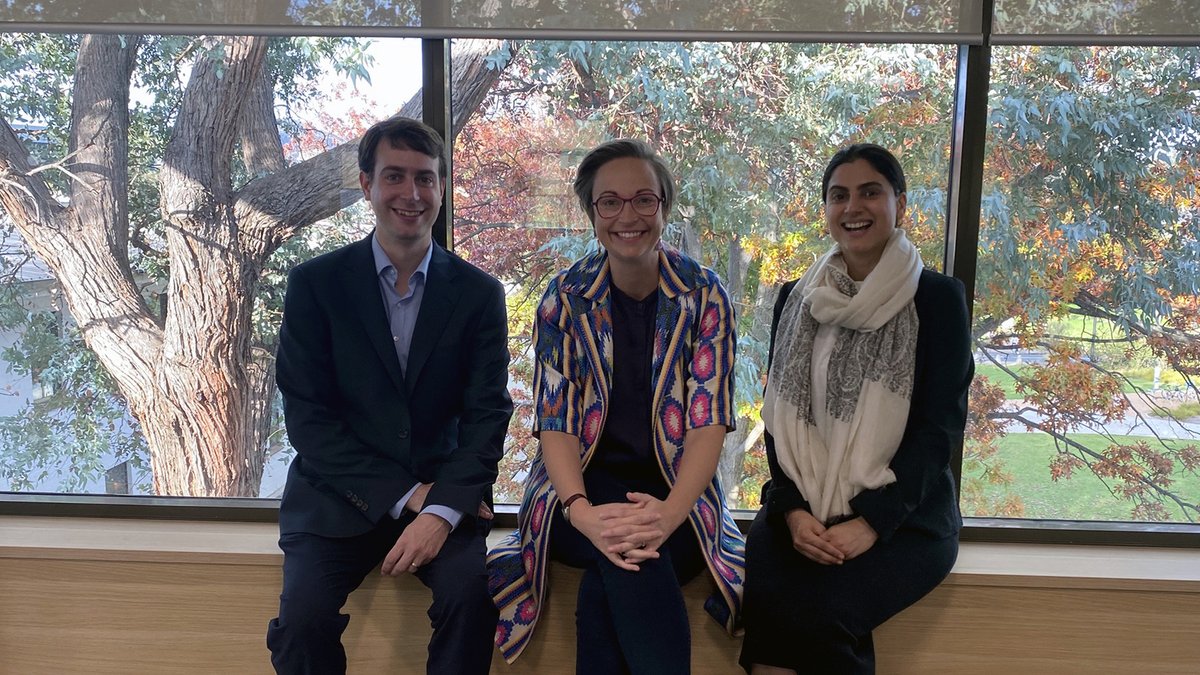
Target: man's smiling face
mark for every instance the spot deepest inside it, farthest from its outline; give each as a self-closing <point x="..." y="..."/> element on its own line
<point x="405" y="193"/>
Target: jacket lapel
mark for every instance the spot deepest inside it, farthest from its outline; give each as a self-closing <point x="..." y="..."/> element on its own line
<point x="588" y="279"/>
<point x="677" y="276"/>
<point x="669" y="330"/>
<point x="595" y="328"/>
<point x="437" y="306"/>
<point x="361" y="285"/>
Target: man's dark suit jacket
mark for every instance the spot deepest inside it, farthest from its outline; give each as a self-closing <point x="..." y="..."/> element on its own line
<point x="365" y="431"/>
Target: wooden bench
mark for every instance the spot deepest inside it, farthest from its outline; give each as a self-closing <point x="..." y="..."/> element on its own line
<point x="98" y="596"/>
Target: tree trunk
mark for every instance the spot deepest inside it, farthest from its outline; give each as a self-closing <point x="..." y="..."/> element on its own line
<point x="194" y="381"/>
<point x="730" y="468"/>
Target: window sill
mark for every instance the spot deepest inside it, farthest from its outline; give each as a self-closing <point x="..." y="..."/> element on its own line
<point x="254" y="543"/>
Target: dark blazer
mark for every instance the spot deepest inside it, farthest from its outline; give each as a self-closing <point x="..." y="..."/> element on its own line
<point x="923" y="496"/>
<point x="365" y="433"/>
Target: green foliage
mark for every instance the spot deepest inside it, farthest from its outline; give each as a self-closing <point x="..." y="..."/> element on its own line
<point x="1000" y="378"/>
<point x="35" y="93"/>
<point x="85" y="418"/>
<point x="357" y="12"/>
<point x="1089" y="207"/>
<point x="295" y="64"/>
<point x="571" y="246"/>
<point x="743" y="15"/>
<point x="1077" y="138"/>
<point x="772" y="114"/>
<point x="1088" y="244"/>
<point x="747" y="129"/>
<point x="302" y="12"/>
<point x="1097" y="17"/>
<point x="78" y="422"/>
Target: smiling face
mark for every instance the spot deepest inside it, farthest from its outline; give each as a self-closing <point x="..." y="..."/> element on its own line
<point x="630" y="238"/>
<point x="405" y="193"/>
<point x="861" y="211"/>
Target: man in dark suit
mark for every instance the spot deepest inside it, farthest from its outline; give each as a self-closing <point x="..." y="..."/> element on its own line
<point x="393" y="363"/>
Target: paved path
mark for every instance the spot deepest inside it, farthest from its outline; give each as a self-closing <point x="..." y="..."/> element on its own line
<point x="1131" y="425"/>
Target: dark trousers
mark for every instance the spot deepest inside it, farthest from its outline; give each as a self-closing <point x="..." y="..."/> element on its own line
<point x="816" y="618"/>
<point x="320" y="572"/>
<point x="629" y="622"/>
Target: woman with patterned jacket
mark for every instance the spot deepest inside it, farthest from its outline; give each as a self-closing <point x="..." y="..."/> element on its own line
<point x="634" y="394"/>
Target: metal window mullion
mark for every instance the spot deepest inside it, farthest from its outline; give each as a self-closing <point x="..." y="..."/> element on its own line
<point x="435" y="111"/>
<point x="967" y="150"/>
<point x="967" y="153"/>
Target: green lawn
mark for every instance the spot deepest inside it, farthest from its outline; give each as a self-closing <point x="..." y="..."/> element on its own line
<point x="998" y="377"/>
<point x="1083" y="496"/>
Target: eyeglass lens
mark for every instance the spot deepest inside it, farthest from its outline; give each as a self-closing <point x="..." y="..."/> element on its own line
<point x="646" y="205"/>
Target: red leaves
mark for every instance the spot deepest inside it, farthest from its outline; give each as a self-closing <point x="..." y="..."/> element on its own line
<point x="1068" y="391"/>
<point x="1064" y="465"/>
<point x="1189" y="457"/>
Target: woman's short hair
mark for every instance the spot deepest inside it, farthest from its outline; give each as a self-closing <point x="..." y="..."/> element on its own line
<point x="877" y="156"/>
<point x="585" y="175"/>
<point x="401" y="132"/>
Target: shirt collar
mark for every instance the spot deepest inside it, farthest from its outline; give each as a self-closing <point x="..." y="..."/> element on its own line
<point x="589" y="276"/>
<point x="383" y="263"/>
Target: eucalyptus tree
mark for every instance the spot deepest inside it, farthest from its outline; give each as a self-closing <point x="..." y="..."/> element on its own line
<point x="148" y="174"/>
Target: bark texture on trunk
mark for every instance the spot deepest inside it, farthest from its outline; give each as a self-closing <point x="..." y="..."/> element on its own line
<point x="200" y="390"/>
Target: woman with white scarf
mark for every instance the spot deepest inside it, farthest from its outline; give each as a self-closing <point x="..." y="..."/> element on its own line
<point x="865" y="405"/>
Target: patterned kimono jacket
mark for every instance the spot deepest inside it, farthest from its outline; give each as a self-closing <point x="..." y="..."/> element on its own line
<point x="693" y="387"/>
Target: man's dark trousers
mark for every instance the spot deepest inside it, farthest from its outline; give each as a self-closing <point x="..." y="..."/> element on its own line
<point x="320" y="572"/>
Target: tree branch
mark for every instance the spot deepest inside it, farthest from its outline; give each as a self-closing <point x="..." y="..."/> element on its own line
<point x="1091" y="458"/>
<point x="262" y="151"/>
<point x="267" y="208"/>
<point x="25" y="198"/>
<point x="99" y="136"/>
<point x="1090" y="305"/>
<point x="196" y="168"/>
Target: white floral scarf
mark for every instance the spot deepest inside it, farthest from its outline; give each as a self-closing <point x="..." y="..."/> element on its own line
<point x="837" y="423"/>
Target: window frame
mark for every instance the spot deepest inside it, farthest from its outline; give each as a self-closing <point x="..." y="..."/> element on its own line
<point x="964" y="196"/>
<point x="257" y="510"/>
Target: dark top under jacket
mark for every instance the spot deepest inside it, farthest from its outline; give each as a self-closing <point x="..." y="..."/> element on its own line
<point x="626" y="447"/>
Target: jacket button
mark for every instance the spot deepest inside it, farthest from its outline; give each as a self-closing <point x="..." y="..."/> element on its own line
<point x="404" y="433"/>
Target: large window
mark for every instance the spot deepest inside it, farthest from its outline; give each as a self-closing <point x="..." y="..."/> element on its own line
<point x="1087" y="313"/>
<point x="747" y="127"/>
<point x="146" y="243"/>
<point x="145" y="251"/>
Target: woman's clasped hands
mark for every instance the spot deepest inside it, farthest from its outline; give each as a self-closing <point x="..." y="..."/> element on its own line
<point x="829" y="545"/>
<point x="627" y="533"/>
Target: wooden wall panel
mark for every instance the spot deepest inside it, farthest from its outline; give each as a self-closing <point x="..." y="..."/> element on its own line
<point x="1006" y="630"/>
<point x="96" y="617"/>
<point x="59" y="617"/>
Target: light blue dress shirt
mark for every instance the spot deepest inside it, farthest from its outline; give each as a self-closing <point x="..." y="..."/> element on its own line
<point x="402" y="313"/>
